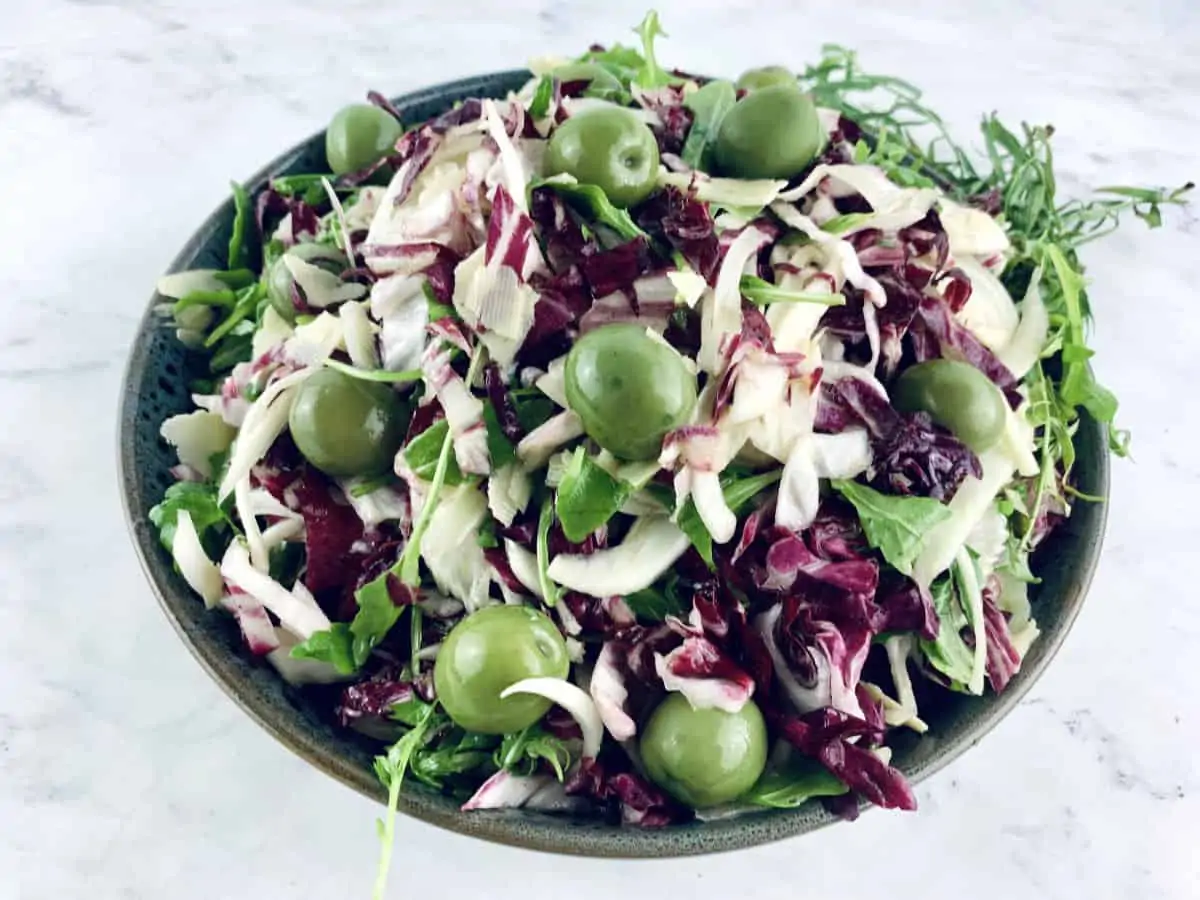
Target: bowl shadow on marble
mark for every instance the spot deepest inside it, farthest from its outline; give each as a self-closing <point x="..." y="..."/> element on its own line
<point x="154" y="388"/>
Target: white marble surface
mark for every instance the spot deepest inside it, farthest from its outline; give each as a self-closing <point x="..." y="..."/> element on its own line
<point x="125" y="773"/>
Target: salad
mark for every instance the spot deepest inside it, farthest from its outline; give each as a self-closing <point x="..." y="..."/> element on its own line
<point x="640" y="444"/>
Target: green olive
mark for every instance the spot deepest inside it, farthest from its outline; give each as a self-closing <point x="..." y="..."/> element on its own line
<point x="957" y="396"/>
<point x="610" y="148"/>
<point x="279" y="278"/>
<point x="346" y="426"/>
<point x="601" y="82"/>
<point x="704" y="757"/>
<point x="773" y="132"/>
<point x="489" y="651"/>
<point x="358" y="135"/>
<point x="628" y="389"/>
<point x="767" y="76"/>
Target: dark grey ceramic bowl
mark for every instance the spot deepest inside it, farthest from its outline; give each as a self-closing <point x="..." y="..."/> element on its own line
<point x="154" y="389"/>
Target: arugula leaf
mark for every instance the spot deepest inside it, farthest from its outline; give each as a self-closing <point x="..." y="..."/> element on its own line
<point x="651" y="74"/>
<point x="590" y="201"/>
<point x="245" y="307"/>
<point x="381" y="375"/>
<point x="533" y="408"/>
<point x="461" y="753"/>
<point x="708" y="105"/>
<point x="487" y="538"/>
<point x="200" y="500"/>
<point x="539" y="106"/>
<point x="761" y="292"/>
<point x="390" y="769"/>
<point x="333" y="646"/>
<point x="522" y="752"/>
<point x="236" y="347"/>
<point x="223" y="298"/>
<point x="238" y="254"/>
<point x="587" y="497"/>
<point x="843" y="223"/>
<point x="948" y="652"/>
<point x="376" y="615"/>
<point x="285" y="562"/>
<point x="654" y="604"/>
<point x="500" y="448"/>
<point x="799" y="780"/>
<point x="425" y="450"/>
<point x="545" y="521"/>
<point x="411" y="711"/>
<point x="738" y="491"/>
<point x="895" y="526"/>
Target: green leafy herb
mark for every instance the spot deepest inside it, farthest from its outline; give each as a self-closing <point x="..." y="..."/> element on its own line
<point x="895" y="526"/>
<point x="236" y="347"/>
<point x="651" y="74"/>
<point x="791" y="785"/>
<point x="587" y="497"/>
<point x="591" y="202"/>
<point x="425" y="451"/>
<point x="376" y="615"/>
<point x="200" y="500"/>
<point x="539" y="106"/>
<point x="843" y="223"/>
<point x="708" y="105"/>
<point x="738" y="490"/>
<point x="545" y="521"/>
<point x="533" y="408"/>
<point x="500" y="448"/>
<point x="948" y="652"/>
<point x="224" y="298"/>
<point x="410" y="712"/>
<point x="285" y="561"/>
<point x="523" y="751"/>
<point x="761" y="292"/>
<point x="487" y="538"/>
<point x="246" y="307"/>
<point x="914" y="148"/>
<point x="653" y="604"/>
<point x="238" y="254"/>
<point x="381" y="375"/>
<point x="368" y="486"/>
<point x="457" y="753"/>
<point x="335" y="646"/>
<point x="390" y="769"/>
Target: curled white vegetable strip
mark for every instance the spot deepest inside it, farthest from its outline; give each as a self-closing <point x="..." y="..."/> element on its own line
<point x="571" y="698"/>
<point x="201" y="573"/>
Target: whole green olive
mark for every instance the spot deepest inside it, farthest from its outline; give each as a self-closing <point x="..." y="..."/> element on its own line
<point x="491" y="650"/>
<point x="766" y="76"/>
<point x="628" y="389"/>
<point x="957" y="396"/>
<point x="358" y="135"/>
<point x="601" y="82"/>
<point x="704" y="757"/>
<point x="279" y="277"/>
<point x="610" y="148"/>
<point x="346" y="426"/>
<point x="772" y="132"/>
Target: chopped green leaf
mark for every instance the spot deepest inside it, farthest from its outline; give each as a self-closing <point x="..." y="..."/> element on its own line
<point x="533" y="408"/>
<point x="948" y="652"/>
<point x="333" y="646"/>
<point x="653" y="604"/>
<point x="238" y="254"/>
<point x="245" y="307"/>
<point x="842" y="224"/>
<point x="381" y="375"/>
<point x="791" y="785"/>
<point x="738" y="491"/>
<point x="500" y="448"/>
<point x="545" y="522"/>
<point x="591" y="202"/>
<point x="761" y="292"/>
<point x="390" y="769"/>
<point x="708" y="105"/>
<point x="368" y="486"/>
<point x="587" y="497"/>
<point x="895" y="526"/>
<point x="200" y="500"/>
<point x="376" y="615"/>
<point x="651" y="74"/>
<point x="539" y="106"/>
<point x="225" y="299"/>
<point x="487" y="538"/>
<point x="425" y="450"/>
<point x="523" y="751"/>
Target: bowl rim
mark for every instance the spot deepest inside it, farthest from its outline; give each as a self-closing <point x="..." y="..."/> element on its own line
<point x="538" y="832"/>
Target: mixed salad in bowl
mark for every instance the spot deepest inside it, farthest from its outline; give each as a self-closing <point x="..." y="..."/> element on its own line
<point x="640" y="444"/>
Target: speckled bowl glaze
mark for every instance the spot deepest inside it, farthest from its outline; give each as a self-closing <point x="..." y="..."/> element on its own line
<point x="159" y="368"/>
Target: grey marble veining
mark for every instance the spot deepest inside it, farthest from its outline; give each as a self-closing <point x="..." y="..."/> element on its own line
<point x="125" y="773"/>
